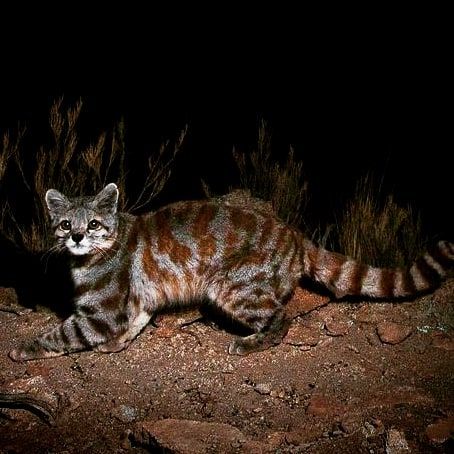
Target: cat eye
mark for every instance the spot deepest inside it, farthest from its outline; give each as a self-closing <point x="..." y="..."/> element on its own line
<point x="94" y="225"/>
<point x="65" y="225"/>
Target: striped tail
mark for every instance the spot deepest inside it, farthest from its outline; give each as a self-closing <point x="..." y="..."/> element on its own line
<point x="345" y="276"/>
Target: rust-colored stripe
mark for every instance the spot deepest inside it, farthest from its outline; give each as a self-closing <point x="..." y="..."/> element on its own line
<point x="283" y="243"/>
<point x="111" y="303"/>
<point x="149" y="264"/>
<point x="163" y="233"/>
<point x="356" y="278"/>
<point x="333" y="263"/>
<point x="242" y="219"/>
<point x="408" y="285"/>
<point x="311" y="261"/>
<point x="166" y="242"/>
<point x="231" y="244"/>
<point x="206" y="244"/>
<point x="386" y="282"/>
<point x="266" y="232"/>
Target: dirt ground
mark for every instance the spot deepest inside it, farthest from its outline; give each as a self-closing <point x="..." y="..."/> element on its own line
<point x="361" y="377"/>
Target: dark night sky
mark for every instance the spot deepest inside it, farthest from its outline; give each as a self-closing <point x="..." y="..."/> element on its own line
<point x="351" y="109"/>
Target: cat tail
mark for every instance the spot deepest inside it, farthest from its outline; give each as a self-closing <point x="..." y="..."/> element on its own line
<point x="344" y="276"/>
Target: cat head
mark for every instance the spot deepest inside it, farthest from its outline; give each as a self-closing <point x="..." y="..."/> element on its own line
<point x="84" y="225"/>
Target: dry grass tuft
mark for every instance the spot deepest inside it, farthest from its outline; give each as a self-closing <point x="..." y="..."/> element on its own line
<point x="281" y="184"/>
<point x="159" y="170"/>
<point x="71" y="168"/>
<point x="381" y="234"/>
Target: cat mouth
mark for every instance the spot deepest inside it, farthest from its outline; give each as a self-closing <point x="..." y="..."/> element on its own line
<point x="78" y="249"/>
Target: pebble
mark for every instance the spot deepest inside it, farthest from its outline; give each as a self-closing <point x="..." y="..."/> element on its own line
<point x="263" y="388"/>
<point x="396" y="442"/>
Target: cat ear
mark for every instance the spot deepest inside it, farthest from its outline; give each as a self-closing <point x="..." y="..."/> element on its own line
<point x="107" y="199"/>
<point x="56" y="201"/>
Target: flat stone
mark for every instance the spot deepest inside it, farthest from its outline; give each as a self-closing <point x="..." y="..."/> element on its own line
<point x="303" y="301"/>
<point x="308" y="334"/>
<point x="187" y="436"/>
<point x="393" y="333"/>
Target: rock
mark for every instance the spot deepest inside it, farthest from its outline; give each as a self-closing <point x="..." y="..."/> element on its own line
<point x="392" y="333"/>
<point x="263" y="388"/>
<point x="125" y="413"/>
<point x="441" y="430"/>
<point x="337" y="327"/>
<point x="187" y="437"/>
<point x="443" y="341"/>
<point x="396" y="442"/>
<point x="33" y="394"/>
<point x="303" y="301"/>
<point x="307" y="334"/>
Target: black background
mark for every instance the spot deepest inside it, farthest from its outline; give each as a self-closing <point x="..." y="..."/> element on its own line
<point x="363" y="96"/>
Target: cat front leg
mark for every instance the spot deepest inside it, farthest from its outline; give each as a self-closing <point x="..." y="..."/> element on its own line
<point x="135" y="326"/>
<point x="64" y="338"/>
<point x="76" y="333"/>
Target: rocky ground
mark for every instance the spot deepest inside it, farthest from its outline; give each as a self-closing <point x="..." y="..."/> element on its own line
<point x="350" y="377"/>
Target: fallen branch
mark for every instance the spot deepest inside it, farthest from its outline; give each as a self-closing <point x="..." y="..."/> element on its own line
<point x="25" y="401"/>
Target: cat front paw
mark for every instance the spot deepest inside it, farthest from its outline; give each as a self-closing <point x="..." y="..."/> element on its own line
<point x="16" y="355"/>
<point x="113" y="346"/>
<point x="32" y="350"/>
<point x="19" y="355"/>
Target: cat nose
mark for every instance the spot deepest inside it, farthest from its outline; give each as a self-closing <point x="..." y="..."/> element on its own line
<point x="77" y="237"/>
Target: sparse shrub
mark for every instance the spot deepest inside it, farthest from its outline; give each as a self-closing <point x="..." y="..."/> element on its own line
<point x="379" y="233"/>
<point x="281" y="184"/>
<point x="26" y="174"/>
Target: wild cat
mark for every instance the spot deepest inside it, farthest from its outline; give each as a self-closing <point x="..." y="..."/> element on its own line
<point x="238" y="256"/>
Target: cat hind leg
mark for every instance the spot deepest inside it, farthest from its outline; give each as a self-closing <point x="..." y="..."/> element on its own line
<point x="269" y="336"/>
<point x="258" y="310"/>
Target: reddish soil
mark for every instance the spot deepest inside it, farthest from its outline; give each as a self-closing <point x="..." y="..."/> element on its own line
<point x="360" y="377"/>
